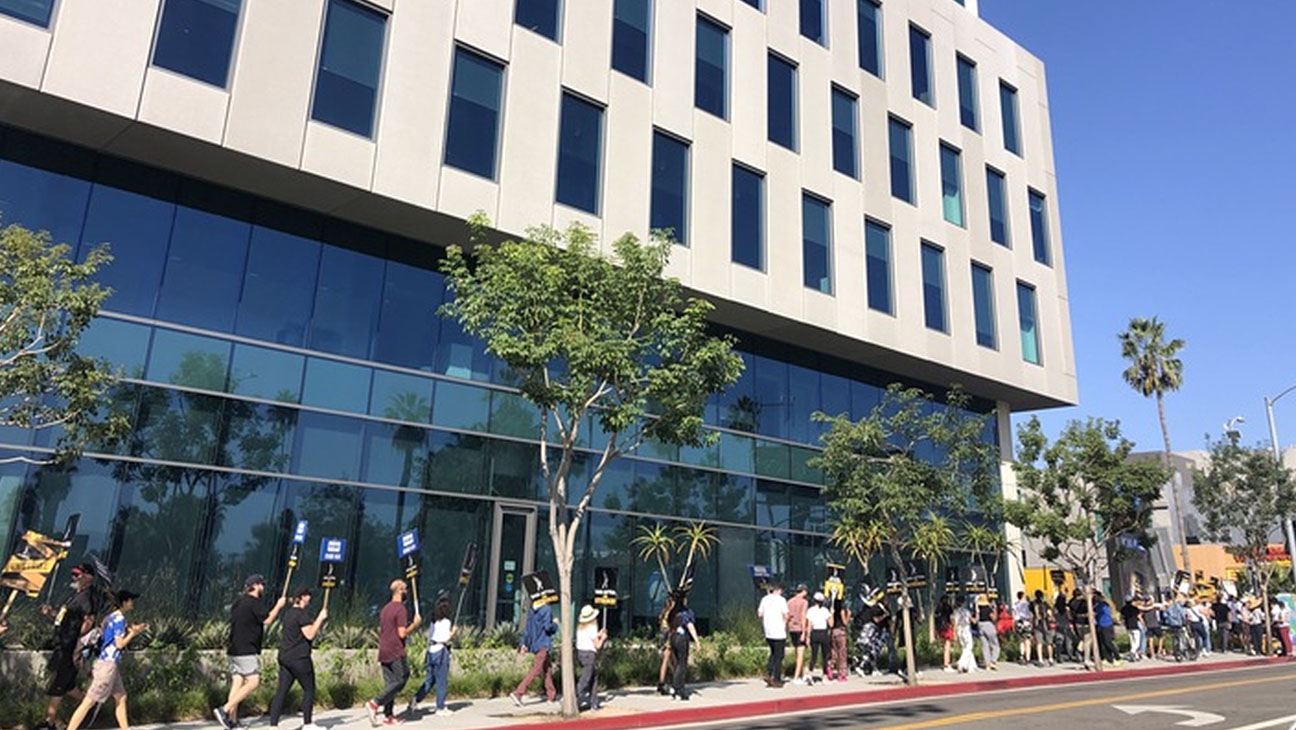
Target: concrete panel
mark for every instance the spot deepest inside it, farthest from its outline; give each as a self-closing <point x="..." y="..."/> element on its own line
<point x="674" y="44"/>
<point x="488" y="25"/>
<point x="181" y="104"/>
<point x="709" y="198"/>
<point x="99" y="54"/>
<point x="463" y="194"/>
<point x="26" y="51"/>
<point x="628" y="158"/>
<point x="587" y="47"/>
<point x="529" y="153"/>
<point x="338" y="155"/>
<point x="749" y="72"/>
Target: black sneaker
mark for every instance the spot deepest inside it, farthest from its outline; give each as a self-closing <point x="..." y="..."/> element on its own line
<point x="223" y="718"/>
<point x="662" y="690"/>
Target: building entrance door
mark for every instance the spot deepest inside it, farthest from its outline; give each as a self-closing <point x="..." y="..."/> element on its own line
<point x="512" y="555"/>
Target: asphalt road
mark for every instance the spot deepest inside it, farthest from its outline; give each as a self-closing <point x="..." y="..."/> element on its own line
<point x="1247" y="699"/>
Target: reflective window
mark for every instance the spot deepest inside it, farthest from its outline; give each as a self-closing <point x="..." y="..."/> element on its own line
<point x="456" y="463"/>
<point x="967" y="77"/>
<point x="580" y="149"/>
<point x="631" y="37"/>
<point x="758" y="4"/>
<point x="901" y="146"/>
<point x="1008" y="111"/>
<point x="670" y="192"/>
<point x="772" y="459"/>
<point x="407" y="325"/>
<point x="877" y="263"/>
<point x="770" y="390"/>
<point x="997" y="198"/>
<point x="845" y="151"/>
<point x="951" y="184"/>
<point x="328" y="447"/>
<point x="36" y="12"/>
<point x="401" y="397"/>
<point x="40" y="200"/>
<point x="737" y="453"/>
<point x="346" y="302"/>
<point x="803" y="401"/>
<point x="136" y="229"/>
<point x="338" y="386"/>
<point x="711" y="72"/>
<point x="816" y="243"/>
<point x="920" y="77"/>
<point x="472" y="127"/>
<point x="735" y="407"/>
<point x="204" y="267"/>
<point x="782" y="102"/>
<point x="261" y="372"/>
<point x="814" y="24"/>
<point x="122" y="344"/>
<point x="513" y="470"/>
<point x="869" y="20"/>
<point x="278" y="287"/>
<point x="179" y="358"/>
<point x="513" y="415"/>
<point x="395" y="454"/>
<point x="459" y="355"/>
<point x="1039" y="228"/>
<point x="461" y="406"/>
<point x="177" y="426"/>
<point x="257" y="436"/>
<point x="933" y="274"/>
<point x="350" y="64"/>
<point x="983" y="306"/>
<point x="748" y="246"/>
<point x="541" y="16"/>
<point x="196" y="38"/>
<point x="241" y="542"/>
<point x="1028" y="323"/>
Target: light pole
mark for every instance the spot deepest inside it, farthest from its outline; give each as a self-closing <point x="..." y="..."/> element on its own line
<point x="1277" y="451"/>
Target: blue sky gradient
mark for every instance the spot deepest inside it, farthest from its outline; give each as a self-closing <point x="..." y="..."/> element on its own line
<point x="1174" y="130"/>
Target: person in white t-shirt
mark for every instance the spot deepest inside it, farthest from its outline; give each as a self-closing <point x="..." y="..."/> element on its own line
<point x="819" y="621"/>
<point x="773" y="613"/>
<point x="589" y="640"/>
<point x="437" y="659"/>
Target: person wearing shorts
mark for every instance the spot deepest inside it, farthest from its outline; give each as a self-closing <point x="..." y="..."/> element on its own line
<point x="249" y="618"/>
<point x="1043" y="622"/>
<point x="105" y="678"/>
<point x="796" y="630"/>
<point x="73" y="621"/>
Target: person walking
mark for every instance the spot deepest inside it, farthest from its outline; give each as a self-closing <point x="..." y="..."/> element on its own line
<point x="796" y="629"/>
<point x="1045" y="628"/>
<point x="1282" y="625"/>
<point x="944" y="620"/>
<point x="589" y="640"/>
<point x="773" y="612"/>
<point x="437" y="659"/>
<point x="1023" y="626"/>
<point x="1106" y="625"/>
<point x="1132" y="618"/>
<point x="394" y="626"/>
<point x="1086" y="642"/>
<point x="685" y="634"/>
<point x="667" y="618"/>
<point x="841" y="621"/>
<point x="1065" y="630"/>
<point x="1153" y="634"/>
<point x="985" y="616"/>
<point x="249" y="618"/>
<point x="1199" y="617"/>
<point x="1223" y="621"/>
<point x="963" y="620"/>
<point x="295" y="663"/>
<point x="819" y="621"/>
<point x="105" y="678"/>
<point x="537" y="639"/>
<point x="74" y="619"/>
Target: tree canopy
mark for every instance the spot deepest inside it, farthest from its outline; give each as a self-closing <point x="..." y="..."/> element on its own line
<point x="1243" y="495"/>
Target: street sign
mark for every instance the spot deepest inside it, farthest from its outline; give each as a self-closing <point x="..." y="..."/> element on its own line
<point x="605" y="586"/>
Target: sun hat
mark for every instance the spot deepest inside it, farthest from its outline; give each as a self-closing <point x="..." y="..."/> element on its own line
<point x="819" y="597"/>
<point x="588" y="614"/>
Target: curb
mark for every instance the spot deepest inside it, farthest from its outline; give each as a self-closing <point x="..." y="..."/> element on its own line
<point x="717" y="713"/>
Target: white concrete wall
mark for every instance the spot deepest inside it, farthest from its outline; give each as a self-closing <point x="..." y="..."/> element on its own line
<point x="97" y="55"/>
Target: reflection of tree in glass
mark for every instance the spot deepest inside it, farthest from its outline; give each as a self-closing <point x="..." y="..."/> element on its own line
<point x="407" y="439"/>
<point x="744" y="414"/>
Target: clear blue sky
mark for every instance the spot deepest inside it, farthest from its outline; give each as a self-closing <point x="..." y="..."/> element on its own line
<point x="1174" y="129"/>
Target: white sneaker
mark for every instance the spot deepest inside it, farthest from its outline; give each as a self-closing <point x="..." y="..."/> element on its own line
<point x="444" y="712"/>
<point x="311" y="726"/>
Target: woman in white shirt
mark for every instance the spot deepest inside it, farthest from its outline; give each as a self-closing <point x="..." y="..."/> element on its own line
<point x="438" y="659"/>
<point x="589" y="639"/>
<point x="819" y="621"/>
<point x="967" y="662"/>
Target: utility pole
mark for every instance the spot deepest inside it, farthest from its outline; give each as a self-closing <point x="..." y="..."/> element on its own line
<point x="1277" y="452"/>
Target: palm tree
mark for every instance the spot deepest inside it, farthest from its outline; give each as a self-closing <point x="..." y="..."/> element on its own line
<point x="655" y="543"/>
<point x="858" y="541"/>
<point x="982" y="541"/>
<point x="701" y="539"/>
<point x="1155" y="369"/>
<point x="932" y="542"/>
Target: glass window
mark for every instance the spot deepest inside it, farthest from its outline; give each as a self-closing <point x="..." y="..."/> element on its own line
<point x="177" y="426"/>
<point x="472" y="127"/>
<point x="803" y="401"/>
<point x="845" y="150"/>
<point x="1027" y="320"/>
<point x="877" y="249"/>
<point x="983" y="304"/>
<point x="336" y="385"/>
<point x="261" y="372"/>
<point x="1039" y="228"/>
<point x="540" y="16"/>
<point x="41" y="200"/>
<point x="514" y="470"/>
<point x="814" y="23"/>
<point x="920" y="78"/>
<point x="869" y="21"/>
<point x="346" y="302"/>
<point x="179" y="358"/>
<point x="901" y="146"/>
<point x="670" y="177"/>
<point x="711" y="73"/>
<point x="734" y="407"/>
<point x="758" y="4"/>
<point x="737" y="453"/>
<point x="456" y="463"/>
<point x="782" y="102"/>
<point x="407" y="323"/>
<point x="204" y="268"/>
<point x="579" y="152"/>
<point x="196" y="38"/>
<point x="244" y="540"/>
<point x="278" y="287"/>
<point x="394" y="454"/>
<point x="997" y="198"/>
<point x="459" y="355"/>
<point x="951" y="184"/>
<point x="770" y="387"/>
<point x="328" y="447"/>
<point x="865" y="397"/>
<point x="816" y="243"/>
<point x="748" y="247"/>
<point x="631" y="37"/>
<point x="513" y="415"/>
<point x="257" y="436"/>
<point x="401" y="397"/>
<point x="461" y="406"/>
<point x="350" y="64"/>
<point x="123" y="344"/>
<point x="136" y="228"/>
<point x="967" y="78"/>
<point x="1011" y="125"/>
<point x="772" y="459"/>
<point x="36" y="12"/>
<point x="933" y="273"/>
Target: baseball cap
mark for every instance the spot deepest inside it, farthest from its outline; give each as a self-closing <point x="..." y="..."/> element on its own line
<point x="252" y="580"/>
<point x="82" y="569"/>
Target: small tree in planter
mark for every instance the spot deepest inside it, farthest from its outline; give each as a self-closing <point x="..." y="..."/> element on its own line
<point x="595" y="343"/>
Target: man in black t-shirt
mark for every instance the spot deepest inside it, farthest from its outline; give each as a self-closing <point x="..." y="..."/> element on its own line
<point x="73" y="620"/>
<point x="249" y="618"/>
<point x="295" y="665"/>
<point x="1131" y="616"/>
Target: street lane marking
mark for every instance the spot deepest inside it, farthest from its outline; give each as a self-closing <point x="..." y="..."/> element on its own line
<point x="993" y="714"/>
<point x="1196" y="718"/>
<point x="1269" y="723"/>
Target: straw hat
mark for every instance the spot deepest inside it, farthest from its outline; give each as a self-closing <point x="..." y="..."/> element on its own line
<point x="588" y="614"/>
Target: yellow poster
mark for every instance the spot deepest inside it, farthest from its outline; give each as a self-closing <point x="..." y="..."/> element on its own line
<point x="29" y="567"/>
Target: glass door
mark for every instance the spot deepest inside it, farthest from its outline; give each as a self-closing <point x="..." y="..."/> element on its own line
<point x="512" y="556"/>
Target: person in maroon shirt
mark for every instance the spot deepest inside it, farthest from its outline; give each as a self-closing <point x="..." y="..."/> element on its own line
<point x="393" y="626"/>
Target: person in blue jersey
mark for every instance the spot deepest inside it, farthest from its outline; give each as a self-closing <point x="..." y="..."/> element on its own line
<point x="105" y="678"/>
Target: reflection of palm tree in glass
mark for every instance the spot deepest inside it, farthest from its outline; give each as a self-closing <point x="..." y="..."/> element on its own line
<point x="407" y="439"/>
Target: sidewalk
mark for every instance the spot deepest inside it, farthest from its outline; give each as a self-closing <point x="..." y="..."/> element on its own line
<point x="643" y="707"/>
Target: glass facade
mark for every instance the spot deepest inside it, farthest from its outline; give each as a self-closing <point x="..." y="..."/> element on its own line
<point x="580" y="151"/>
<point x="877" y="264"/>
<point x="473" y="122"/>
<point x="901" y="146"/>
<point x="711" y="69"/>
<point x="869" y="29"/>
<point x="816" y="243"/>
<point x="781" y="102"/>
<point x="632" y="37"/>
<point x="540" y="16"/>
<point x="951" y="184"/>
<point x="350" y="67"/>
<point x="845" y="149"/>
<point x="814" y="21"/>
<point x="36" y="12"/>
<point x="997" y="200"/>
<point x="935" y="314"/>
<point x="748" y="217"/>
<point x="668" y="209"/>
<point x="1039" y="227"/>
<point x="312" y="379"/>
<point x="1008" y="112"/>
<point x="967" y="89"/>
<point x="983" y="305"/>
<point x="1029" y="323"/>
<point x="920" y="76"/>
<point x="196" y="38"/>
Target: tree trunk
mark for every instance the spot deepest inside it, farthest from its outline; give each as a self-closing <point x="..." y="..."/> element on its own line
<point x="1093" y="628"/>
<point x="1264" y="591"/>
<point x="911" y="669"/>
<point x="567" y="657"/>
<point x="1174" y="492"/>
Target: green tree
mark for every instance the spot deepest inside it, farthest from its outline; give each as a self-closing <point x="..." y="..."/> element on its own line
<point x="46" y="302"/>
<point x="1243" y="495"/>
<point x="1154" y="370"/>
<point x="607" y="342"/>
<point x="933" y="541"/>
<point x="907" y="463"/>
<point x="1080" y="491"/>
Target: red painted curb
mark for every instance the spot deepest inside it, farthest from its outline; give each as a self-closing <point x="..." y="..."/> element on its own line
<point x="716" y="713"/>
